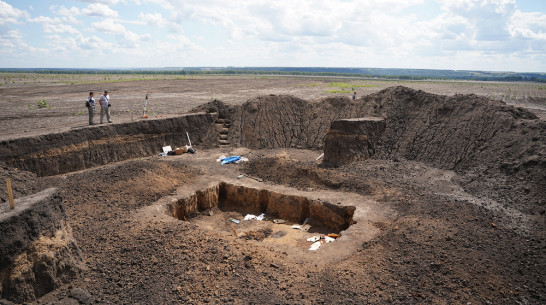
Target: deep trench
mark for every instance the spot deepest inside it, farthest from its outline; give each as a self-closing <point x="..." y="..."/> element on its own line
<point x="230" y="197"/>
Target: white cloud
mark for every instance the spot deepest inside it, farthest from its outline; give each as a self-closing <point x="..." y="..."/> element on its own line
<point x="99" y="10"/>
<point x="10" y="14"/>
<point x="264" y="19"/>
<point x="11" y="40"/>
<point x="529" y="26"/>
<point x="381" y="33"/>
<point x="484" y="20"/>
<point x="64" y="11"/>
<point x="107" y="2"/>
<point x="155" y="19"/>
<point x="54" y="25"/>
<point x="59" y="28"/>
<point x="92" y="43"/>
<point x="108" y="26"/>
<point x="67" y="15"/>
<point x="125" y="37"/>
<point x="16" y="52"/>
<point x="489" y="26"/>
<point x="78" y="43"/>
<point x="370" y="29"/>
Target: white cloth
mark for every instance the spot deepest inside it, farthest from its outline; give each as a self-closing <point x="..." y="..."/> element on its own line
<point x="315" y="246"/>
<point x="104" y="100"/>
<point x="251" y="217"/>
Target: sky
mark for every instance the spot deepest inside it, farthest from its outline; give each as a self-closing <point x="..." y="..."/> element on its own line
<point x="490" y="35"/>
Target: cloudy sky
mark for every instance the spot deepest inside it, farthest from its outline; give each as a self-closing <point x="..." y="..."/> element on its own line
<point x="493" y="35"/>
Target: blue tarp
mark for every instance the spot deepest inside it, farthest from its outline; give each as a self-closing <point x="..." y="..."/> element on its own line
<point x="231" y="159"/>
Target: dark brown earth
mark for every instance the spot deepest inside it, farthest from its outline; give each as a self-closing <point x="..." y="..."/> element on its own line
<point x="461" y="179"/>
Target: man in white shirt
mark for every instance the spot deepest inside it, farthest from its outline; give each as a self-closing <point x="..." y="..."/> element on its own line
<point x="104" y="103"/>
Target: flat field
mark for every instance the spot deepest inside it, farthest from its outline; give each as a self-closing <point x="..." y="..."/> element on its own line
<point x="171" y="95"/>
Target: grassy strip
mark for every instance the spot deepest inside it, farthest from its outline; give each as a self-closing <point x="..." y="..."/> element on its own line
<point x="344" y="85"/>
<point x="337" y="91"/>
<point x="115" y="80"/>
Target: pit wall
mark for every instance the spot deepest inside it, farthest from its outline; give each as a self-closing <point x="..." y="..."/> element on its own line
<point x="255" y="201"/>
<point x="83" y="148"/>
<point x="37" y="250"/>
<point x="499" y="151"/>
<point x="352" y="140"/>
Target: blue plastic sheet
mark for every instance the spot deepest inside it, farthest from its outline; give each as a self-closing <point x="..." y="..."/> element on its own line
<point x="231" y="159"/>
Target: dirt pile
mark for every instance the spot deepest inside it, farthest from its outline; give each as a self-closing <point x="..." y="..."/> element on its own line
<point x="498" y="150"/>
<point x="281" y="121"/>
<point x="38" y="251"/>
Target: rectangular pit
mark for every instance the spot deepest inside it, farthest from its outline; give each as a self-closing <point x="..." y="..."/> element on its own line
<point x="230" y="197"/>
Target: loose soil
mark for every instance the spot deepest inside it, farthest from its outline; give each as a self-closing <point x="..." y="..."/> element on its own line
<point x="453" y="203"/>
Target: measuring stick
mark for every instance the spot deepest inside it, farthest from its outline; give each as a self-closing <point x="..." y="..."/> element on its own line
<point x="234" y="232"/>
<point x="10" y="194"/>
<point x="188" y="137"/>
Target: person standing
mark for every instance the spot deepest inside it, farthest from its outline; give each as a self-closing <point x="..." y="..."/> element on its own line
<point x="354" y="96"/>
<point x="90" y="103"/>
<point x="104" y="102"/>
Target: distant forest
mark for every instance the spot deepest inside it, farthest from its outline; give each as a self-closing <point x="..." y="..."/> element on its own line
<point x="405" y="74"/>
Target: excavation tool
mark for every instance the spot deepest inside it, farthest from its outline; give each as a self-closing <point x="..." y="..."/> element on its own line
<point x="189" y="141"/>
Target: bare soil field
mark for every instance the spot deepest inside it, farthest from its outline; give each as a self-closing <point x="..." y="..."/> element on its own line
<point x="174" y="95"/>
<point x="449" y="210"/>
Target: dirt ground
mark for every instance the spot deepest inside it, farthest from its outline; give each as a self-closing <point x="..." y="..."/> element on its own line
<point x="423" y="235"/>
<point x="168" y="96"/>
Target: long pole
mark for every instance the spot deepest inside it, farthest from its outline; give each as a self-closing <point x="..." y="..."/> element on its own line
<point x="10" y="194"/>
<point x="188" y="137"/>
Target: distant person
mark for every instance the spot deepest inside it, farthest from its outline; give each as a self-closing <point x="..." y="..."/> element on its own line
<point x="104" y="102"/>
<point x="90" y="104"/>
<point x="354" y="96"/>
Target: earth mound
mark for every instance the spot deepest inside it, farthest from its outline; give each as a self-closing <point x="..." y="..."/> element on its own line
<point x="499" y="151"/>
<point x="39" y="253"/>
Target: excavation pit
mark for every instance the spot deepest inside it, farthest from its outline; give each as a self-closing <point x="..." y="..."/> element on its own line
<point x="236" y="201"/>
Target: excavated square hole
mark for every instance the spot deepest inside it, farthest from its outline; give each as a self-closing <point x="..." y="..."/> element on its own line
<point x="323" y="217"/>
